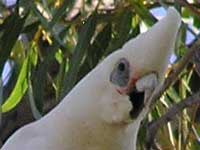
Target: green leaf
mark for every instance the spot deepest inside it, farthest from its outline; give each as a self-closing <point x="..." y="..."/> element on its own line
<point x="19" y="89"/>
<point x="43" y="21"/>
<point x="21" y="84"/>
<point x="85" y="36"/>
<point x="194" y="144"/>
<point x="37" y="115"/>
<point x="40" y="77"/>
<point x="59" y="56"/>
<point x="13" y="27"/>
<point x="31" y="27"/>
<point x="185" y="13"/>
<point x="60" y="77"/>
<point x="197" y="22"/>
<point x="121" y="31"/>
<point x="101" y="42"/>
<point x="135" y="27"/>
<point x="61" y="11"/>
<point x="144" y="13"/>
<point x="180" y="48"/>
<point x="34" y="54"/>
<point x="96" y="50"/>
<point x="18" y="53"/>
<point x="47" y="26"/>
<point x="173" y="94"/>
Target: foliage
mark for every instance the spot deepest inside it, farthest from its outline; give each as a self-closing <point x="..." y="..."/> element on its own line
<point x="53" y="44"/>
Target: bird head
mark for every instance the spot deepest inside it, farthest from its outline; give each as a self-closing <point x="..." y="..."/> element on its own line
<point x="147" y="53"/>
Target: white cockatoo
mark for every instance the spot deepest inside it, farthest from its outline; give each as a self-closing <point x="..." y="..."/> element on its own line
<point x="105" y="109"/>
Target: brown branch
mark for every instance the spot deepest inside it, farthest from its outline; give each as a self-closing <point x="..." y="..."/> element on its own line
<point x="194" y="10"/>
<point x="168" y="3"/>
<point x="154" y="126"/>
<point x="176" y="70"/>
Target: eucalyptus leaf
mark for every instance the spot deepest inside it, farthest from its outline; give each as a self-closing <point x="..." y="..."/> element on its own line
<point x="19" y="89"/>
<point x="121" y="31"/>
<point x="85" y="36"/>
<point x="13" y="27"/>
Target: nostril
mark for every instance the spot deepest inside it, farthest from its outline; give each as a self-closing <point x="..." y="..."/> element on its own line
<point x="137" y="100"/>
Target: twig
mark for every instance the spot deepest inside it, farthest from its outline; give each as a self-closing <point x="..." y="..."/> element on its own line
<point x="153" y="127"/>
<point x="176" y="70"/>
<point x="194" y="10"/>
<point x="169" y="116"/>
<point x="168" y="3"/>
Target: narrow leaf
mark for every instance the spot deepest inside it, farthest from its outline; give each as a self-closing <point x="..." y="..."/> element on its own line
<point x="19" y="89"/>
<point x="13" y="27"/>
<point x="61" y="11"/>
<point x="37" y="115"/>
<point x="121" y="31"/>
<point x="144" y="13"/>
<point x="85" y="36"/>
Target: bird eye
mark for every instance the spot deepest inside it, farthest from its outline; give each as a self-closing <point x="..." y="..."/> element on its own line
<point x="120" y="74"/>
<point x="121" y="66"/>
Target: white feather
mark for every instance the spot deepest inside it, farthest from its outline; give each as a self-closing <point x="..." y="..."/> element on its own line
<point x="93" y="116"/>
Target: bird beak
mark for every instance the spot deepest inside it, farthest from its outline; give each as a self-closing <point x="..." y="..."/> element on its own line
<point x="136" y="97"/>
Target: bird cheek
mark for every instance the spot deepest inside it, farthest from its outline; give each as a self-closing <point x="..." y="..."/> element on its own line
<point x="116" y="110"/>
<point x="126" y="90"/>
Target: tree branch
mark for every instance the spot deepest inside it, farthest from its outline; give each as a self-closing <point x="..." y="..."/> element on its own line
<point x="176" y="70"/>
<point x="153" y="126"/>
<point x="194" y="10"/>
<point x="172" y="77"/>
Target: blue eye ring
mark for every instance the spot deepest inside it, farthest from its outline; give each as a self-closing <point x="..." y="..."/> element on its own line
<point x="121" y="72"/>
